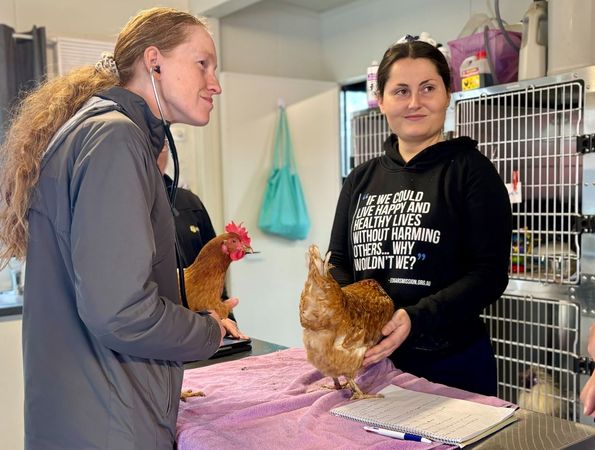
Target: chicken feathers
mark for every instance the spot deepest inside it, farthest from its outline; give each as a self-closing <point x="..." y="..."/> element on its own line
<point x="340" y="324"/>
<point x="205" y="277"/>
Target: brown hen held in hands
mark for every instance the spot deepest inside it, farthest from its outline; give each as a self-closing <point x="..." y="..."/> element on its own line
<point x="340" y="324"/>
<point x="205" y="277"/>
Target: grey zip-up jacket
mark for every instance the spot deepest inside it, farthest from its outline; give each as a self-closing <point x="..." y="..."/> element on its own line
<point x="104" y="334"/>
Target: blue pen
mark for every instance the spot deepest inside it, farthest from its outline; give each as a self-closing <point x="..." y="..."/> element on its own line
<point x="398" y="435"/>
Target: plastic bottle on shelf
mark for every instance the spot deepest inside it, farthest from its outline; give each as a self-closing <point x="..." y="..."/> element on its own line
<point x="371" y="85"/>
<point x="475" y="71"/>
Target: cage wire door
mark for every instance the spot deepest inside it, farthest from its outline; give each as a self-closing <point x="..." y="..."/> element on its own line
<point x="536" y="341"/>
<point x="369" y="130"/>
<point x="530" y="136"/>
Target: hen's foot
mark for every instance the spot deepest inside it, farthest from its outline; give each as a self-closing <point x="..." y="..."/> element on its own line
<point x="357" y="393"/>
<point x="361" y="396"/>
<point x="185" y="395"/>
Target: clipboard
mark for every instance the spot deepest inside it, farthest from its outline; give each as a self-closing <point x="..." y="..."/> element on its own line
<point x="231" y="346"/>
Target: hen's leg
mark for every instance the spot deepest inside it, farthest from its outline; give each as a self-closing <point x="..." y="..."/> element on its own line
<point x="185" y="395"/>
<point x="337" y="385"/>
<point x="357" y="393"/>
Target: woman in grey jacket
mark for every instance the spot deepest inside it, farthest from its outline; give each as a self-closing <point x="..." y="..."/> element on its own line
<point x="104" y="335"/>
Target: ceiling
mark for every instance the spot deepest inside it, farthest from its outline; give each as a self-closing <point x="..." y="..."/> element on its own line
<point x="318" y="5"/>
<point x="222" y="8"/>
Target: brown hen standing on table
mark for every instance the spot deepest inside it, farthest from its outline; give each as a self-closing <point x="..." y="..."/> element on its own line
<point x="205" y="277"/>
<point x="341" y="324"/>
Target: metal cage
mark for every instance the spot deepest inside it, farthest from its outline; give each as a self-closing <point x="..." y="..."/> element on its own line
<point x="530" y="136"/>
<point x="536" y="342"/>
<point x="368" y="131"/>
<point x="532" y="133"/>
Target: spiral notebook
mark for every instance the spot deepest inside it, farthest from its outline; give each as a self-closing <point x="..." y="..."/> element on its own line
<point x="438" y="418"/>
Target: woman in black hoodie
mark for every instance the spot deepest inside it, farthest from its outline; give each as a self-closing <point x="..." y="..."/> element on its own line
<point x="431" y="221"/>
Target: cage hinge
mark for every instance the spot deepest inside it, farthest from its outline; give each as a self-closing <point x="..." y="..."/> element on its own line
<point x="584" y="365"/>
<point x="585" y="224"/>
<point x="585" y="143"/>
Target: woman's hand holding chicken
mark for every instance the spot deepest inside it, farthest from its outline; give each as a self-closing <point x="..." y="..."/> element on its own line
<point x="396" y="331"/>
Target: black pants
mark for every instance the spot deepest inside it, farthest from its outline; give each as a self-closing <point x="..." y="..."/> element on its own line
<point x="473" y="368"/>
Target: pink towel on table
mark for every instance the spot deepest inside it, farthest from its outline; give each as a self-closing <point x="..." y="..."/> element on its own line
<point x="277" y="401"/>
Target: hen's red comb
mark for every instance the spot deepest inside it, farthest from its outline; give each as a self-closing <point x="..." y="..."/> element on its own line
<point x="231" y="227"/>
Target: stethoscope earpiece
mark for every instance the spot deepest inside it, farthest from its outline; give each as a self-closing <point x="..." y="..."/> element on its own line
<point x="158" y="70"/>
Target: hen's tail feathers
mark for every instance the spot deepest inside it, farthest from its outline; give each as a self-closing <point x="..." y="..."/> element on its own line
<point x="315" y="261"/>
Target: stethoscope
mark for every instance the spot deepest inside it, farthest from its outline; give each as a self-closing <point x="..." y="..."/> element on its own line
<point x="174" y="186"/>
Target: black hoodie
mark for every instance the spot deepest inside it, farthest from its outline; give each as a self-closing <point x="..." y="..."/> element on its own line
<point x="435" y="232"/>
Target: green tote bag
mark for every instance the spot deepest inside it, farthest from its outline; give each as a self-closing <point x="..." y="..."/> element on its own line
<point x="283" y="210"/>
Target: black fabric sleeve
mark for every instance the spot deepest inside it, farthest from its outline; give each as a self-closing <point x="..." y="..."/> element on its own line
<point x="204" y="221"/>
<point x="488" y="223"/>
<point x="341" y="261"/>
<point x="192" y="230"/>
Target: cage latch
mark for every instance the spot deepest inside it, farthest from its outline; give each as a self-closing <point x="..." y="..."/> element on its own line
<point x="585" y="143"/>
<point x="584" y="365"/>
<point x="584" y="224"/>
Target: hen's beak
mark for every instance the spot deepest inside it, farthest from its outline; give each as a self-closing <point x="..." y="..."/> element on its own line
<point x="248" y="249"/>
